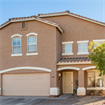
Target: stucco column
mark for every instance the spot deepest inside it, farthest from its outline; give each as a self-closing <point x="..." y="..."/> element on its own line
<point x="54" y="89"/>
<point x="81" y="91"/>
<point x="0" y="83"/>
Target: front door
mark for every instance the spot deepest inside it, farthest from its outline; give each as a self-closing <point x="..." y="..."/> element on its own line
<point x="67" y="82"/>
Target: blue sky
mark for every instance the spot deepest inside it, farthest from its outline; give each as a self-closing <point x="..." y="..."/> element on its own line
<point x="94" y="9"/>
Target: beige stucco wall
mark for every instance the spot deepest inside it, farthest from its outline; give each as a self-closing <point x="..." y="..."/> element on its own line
<point x="76" y="29"/>
<point x="49" y="45"/>
<point x="46" y="48"/>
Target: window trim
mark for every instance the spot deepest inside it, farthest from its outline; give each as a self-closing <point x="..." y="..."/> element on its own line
<point x="69" y="42"/>
<point x="17" y="36"/>
<point x="80" y="42"/>
<point x="84" y="41"/>
<point x="16" y="54"/>
<point x="28" y="35"/>
<point x="32" y="53"/>
<point x="99" y="40"/>
<point x="81" y="53"/>
<point x="32" y="33"/>
<point x="67" y="53"/>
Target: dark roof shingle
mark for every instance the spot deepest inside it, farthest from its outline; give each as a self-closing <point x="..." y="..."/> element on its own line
<point x="74" y="59"/>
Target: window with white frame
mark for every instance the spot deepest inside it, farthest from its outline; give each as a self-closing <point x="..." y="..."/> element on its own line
<point x="16" y="45"/>
<point x="99" y="41"/>
<point x="82" y="47"/>
<point x="94" y="80"/>
<point x="32" y="44"/>
<point x="67" y="48"/>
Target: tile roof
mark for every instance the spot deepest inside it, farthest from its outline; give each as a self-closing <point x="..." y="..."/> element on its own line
<point x="53" y="13"/>
<point x="49" y="22"/>
<point x="72" y="14"/>
<point x="74" y="60"/>
<point x="32" y="18"/>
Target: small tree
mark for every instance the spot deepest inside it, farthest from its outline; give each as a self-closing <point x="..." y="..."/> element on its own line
<point x="97" y="56"/>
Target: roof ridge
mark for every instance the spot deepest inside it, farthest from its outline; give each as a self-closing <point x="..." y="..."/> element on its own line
<point x="53" y="13"/>
<point x="33" y="16"/>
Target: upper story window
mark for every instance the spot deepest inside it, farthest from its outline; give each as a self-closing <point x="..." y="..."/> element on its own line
<point x="32" y="44"/>
<point x="67" y="48"/>
<point x="100" y="41"/>
<point x="94" y="80"/>
<point x="82" y="47"/>
<point x="16" y="45"/>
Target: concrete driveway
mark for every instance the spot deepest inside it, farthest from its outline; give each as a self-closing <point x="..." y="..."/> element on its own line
<point x="26" y="100"/>
<point x="6" y="100"/>
<point x="62" y="100"/>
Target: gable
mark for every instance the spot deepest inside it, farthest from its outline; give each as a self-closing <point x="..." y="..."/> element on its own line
<point x="71" y="14"/>
<point x="13" y="20"/>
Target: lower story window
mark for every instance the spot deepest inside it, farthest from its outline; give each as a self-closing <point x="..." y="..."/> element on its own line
<point x="94" y="80"/>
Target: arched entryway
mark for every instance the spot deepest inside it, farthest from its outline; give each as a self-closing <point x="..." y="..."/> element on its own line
<point x="68" y="79"/>
<point x="92" y="80"/>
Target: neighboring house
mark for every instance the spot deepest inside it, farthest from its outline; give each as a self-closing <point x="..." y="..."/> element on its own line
<point x="45" y="55"/>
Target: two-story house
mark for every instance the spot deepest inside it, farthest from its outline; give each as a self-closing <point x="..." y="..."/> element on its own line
<point x="46" y="55"/>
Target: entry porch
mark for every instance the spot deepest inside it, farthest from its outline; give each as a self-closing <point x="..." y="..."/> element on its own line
<point x="79" y="77"/>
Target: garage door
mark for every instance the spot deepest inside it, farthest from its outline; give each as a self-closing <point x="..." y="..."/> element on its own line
<point x="37" y="84"/>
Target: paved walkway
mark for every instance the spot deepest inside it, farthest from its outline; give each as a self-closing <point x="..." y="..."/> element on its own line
<point x="62" y="100"/>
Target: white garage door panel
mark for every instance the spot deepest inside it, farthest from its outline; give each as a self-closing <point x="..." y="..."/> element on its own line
<point x="37" y="84"/>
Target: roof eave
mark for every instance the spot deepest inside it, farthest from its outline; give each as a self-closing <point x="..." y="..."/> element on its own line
<point x="73" y="63"/>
